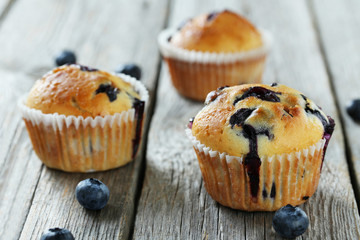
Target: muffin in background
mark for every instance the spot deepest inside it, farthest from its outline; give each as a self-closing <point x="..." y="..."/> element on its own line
<point x="213" y="50"/>
<point x="260" y="147"/>
<point x="81" y="119"/>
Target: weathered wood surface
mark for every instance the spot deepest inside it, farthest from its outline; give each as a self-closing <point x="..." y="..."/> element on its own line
<point x="339" y="31"/>
<point x="19" y="167"/>
<point x="174" y="203"/>
<point x="35" y="198"/>
<point x="5" y="6"/>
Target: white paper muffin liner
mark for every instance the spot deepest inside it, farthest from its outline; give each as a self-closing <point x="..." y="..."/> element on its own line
<point x="78" y="144"/>
<point x="194" y="74"/>
<point x="283" y="179"/>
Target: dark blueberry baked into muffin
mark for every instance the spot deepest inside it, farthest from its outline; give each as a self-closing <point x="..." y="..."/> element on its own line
<point x="205" y="53"/>
<point x="82" y="119"/>
<point x="260" y="147"/>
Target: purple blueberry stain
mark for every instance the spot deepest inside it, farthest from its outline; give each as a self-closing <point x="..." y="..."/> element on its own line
<point x="139" y="107"/>
<point x="329" y="129"/>
<point x="328" y="124"/>
<point x="252" y="160"/>
<point x="261" y="93"/>
<point x="264" y="193"/>
<point x="87" y="69"/>
<point x="213" y="95"/>
<point x="212" y="15"/>
<point x="190" y="124"/>
<point x="273" y="191"/>
<point x="240" y="116"/>
<point x="109" y="90"/>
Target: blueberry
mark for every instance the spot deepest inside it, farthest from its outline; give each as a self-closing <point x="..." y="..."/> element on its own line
<point x="290" y="222"/>
<point x="57" y="234"/>
<point x="353" y="109"/>
<point x="240" y="116"/>
<point x="65" y="57"/>
<point x="212" y="15"/>
<point x="130" y="69"/>
<point x="110" y="91"/>
<point x="92" y="194"/>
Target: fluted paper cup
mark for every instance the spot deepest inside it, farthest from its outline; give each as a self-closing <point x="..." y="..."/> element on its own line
<point x="194" y="74"/>
<point x="78" y="144"/>
<point x="283" y="179"/>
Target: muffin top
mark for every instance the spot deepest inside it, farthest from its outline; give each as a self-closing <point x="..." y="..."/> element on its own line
<point x="217" y="32"/>
<point x="260" y="120"/>
<point x="81" y="91"/>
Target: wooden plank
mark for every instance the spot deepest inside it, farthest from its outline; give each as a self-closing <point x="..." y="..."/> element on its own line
<point x="173" y="191"/>
<point x="339" y="25"/>
<point x="4" y="7"/>
<point x="103" y="36"/>
<point x="19" y="167"/>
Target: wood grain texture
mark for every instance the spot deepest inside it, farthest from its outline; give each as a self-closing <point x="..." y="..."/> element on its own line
<point x="339" y="34"/>
<point x="19" y="167"/>
<point x="173" y="192"/>
<point x="5" y="5"/>
<point x="103" y="36"/>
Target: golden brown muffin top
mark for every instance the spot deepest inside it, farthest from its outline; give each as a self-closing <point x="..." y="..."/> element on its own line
<point x="260" y="119"/>
<point x="81" y="91"/>
<point x="224" y="31"/>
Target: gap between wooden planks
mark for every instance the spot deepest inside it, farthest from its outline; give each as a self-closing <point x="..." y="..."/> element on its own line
<point x="173" y="191"/>
<point x="338" y="24"/>
<point x="5" y="6"/>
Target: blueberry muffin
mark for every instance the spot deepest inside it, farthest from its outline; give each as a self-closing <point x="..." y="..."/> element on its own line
<point x="260" y="147"/>
<point x="82" y="119"/>
<point x="205" y="53"/>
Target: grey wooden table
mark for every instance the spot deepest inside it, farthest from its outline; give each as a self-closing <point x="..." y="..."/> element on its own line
<point x="161" y="194"/>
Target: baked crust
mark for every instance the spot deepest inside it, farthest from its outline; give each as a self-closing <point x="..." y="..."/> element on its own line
<point x="218" y="32"/>
<point x="288" y="125"/>
<point x="79" y="91"/>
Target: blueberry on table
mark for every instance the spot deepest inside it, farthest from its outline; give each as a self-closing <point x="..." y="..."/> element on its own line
<point x="130" y="69"/>
<point x="57" y="234"/>
<point x="353" y="109"/>
<point x="92" y="194"/>
<point x="65" y="57"/>
<point x="290" y="222"/>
